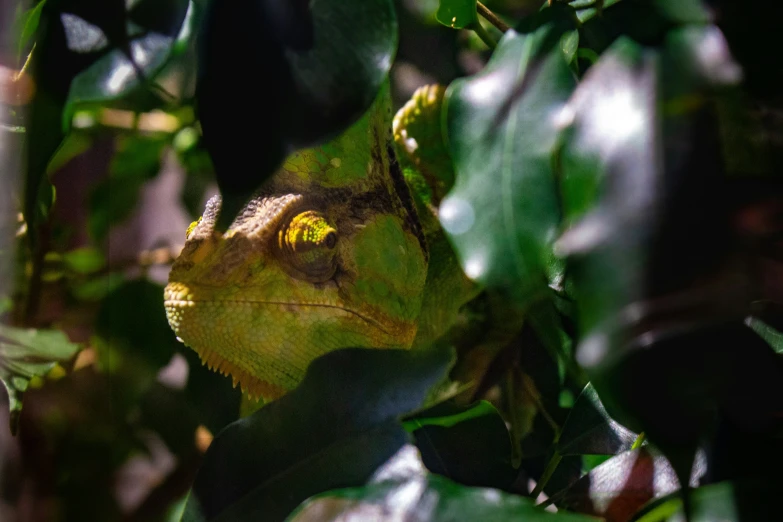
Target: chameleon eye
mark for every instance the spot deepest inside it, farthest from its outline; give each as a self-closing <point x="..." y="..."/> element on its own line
<point x="306" y="243"/>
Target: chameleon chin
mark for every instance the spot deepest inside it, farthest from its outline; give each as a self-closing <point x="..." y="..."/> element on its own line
<point x="332" y="253"/>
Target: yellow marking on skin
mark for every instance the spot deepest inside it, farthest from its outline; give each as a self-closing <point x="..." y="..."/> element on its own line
<point x="191" y="227"/>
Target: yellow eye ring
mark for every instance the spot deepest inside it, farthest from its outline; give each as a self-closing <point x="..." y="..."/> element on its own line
<point x="306" y="244"/>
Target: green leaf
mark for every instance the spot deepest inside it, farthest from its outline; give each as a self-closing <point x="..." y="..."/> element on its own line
<point x="457" y="14"/>
<point x="589" y="430"/>
<point x="469" y="445"/>
<point x="610" y="138"/>
<point x="773" y="337"/>
<point x="503" y="213"/>
<point x="83" y="53"/>
<point x="26" y="354"/>
<point x="569" y="43"/>
<point x="620" y="486"/>
<point x="587" y="9"/>
<point x="324" y="63"/>
<point x="639" y="249"/>
<point x="29" y="25"/>
<point x="334" y="430"/>
<point x="84" y="260"/>
<point x="745" y="500"/>
<point x="645" y="21"/>
<point x="402" y="490"/>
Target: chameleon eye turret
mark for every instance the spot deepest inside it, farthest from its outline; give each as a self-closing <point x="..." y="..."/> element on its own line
<point x="306" y="245"/>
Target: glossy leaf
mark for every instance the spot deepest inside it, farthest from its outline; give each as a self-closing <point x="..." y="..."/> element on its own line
<point x="607" y="154"/>
<point x="324" y="63"/>
<point x="86" y="50"/>
<point x="589" y="430"/>
<point x="263" y="466"/>
<point x="27" y="354"/>
<point x="503" y="212"/>
<point x="620" y="486"/>
<point x="414" y="495"/>
<point x="638" y="254"/>
<point x="469" y="445"/>
<point x="457" y="14"/>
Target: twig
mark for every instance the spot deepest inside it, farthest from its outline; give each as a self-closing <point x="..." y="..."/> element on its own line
<point x="491" y="17"/>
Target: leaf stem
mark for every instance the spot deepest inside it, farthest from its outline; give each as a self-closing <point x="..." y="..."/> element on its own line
<point x="638" y="442"/>
<point x="484" y="35"/>
<point x="26" y="64"/>
<point x="546" y="475"/>
<point x="491" y="17"/>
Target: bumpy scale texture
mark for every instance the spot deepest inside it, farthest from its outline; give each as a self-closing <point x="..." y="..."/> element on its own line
<point x="330" y="254"/>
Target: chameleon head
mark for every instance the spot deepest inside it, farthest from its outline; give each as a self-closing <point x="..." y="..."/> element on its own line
<point x="319" y="260"/>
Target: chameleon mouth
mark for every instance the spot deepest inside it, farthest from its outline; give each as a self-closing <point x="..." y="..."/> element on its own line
<point x="290" y="307"/>
<point x="269" y="351"/>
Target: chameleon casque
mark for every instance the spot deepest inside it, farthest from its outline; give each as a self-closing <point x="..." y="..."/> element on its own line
<point x="340" y="248"/>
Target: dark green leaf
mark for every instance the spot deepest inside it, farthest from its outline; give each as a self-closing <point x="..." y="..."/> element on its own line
<point x="503" y="212"/>
<point x="25" y="354"/>
<point x="469" y="445"/>
<point x="620" y="486"/>
<point x="332" y="431"/>
<point x="413" y="495"/>
<point x="134" y="338"/>
<point x="86" y="50"/>
<point x="745" y="501"/>
<point x="645" y="21"/>
<point x="457" y="14"/>
<point x="589" y="430"/>
<point x="610" y="139"/>
<point x="773" y="337"/>
<point x="324" y="63"/>
<point x="29" y="25"/>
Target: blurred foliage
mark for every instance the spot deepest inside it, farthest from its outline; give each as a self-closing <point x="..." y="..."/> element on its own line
<point x="617" y="195"/>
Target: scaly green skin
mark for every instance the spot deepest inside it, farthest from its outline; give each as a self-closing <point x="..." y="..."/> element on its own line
<point x="331" y="254"/>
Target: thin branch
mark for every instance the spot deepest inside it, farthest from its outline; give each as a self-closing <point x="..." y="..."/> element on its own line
<point x="492" y="18"/>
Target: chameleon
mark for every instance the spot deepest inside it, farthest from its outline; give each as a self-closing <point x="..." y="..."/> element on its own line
<point x="340" y="248"/>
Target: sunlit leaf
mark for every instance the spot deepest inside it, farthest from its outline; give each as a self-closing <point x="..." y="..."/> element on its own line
<point x="26" y="354"/>
<point x="263" y="466"/>
<point x="503" y="212"/>
<point x="86" y="50"/>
